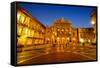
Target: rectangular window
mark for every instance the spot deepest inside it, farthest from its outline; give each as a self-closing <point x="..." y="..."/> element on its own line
<point x="18" y="16"/>
<point x="27" y="21"/>
<point x="22" y="18"/>
<point x="19" y="29"/>
<point x="25" y="31"/>
<point x="29" y="42"/>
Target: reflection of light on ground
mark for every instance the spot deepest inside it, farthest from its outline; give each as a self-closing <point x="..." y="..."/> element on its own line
<point x="89" y="52"/>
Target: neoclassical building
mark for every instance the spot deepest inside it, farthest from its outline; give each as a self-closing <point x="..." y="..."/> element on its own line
<point x="61" y="32"/>
<point x="94" y="22"/>
<point x="94" y="19"/>
<point x="30" y="32"/>
<point x="86" y="35"/>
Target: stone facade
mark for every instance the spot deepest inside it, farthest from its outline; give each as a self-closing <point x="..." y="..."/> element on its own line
<point x="30" y="32"/>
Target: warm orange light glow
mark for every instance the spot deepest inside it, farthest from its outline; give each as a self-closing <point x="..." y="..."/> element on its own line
<point x="81" y="40"/>
<point x="54" y="33"/>
<point x="19" y="30"/>
<point x="22" y="19"/>
<point x="63" y="38"/>
<point x="27" y="21"/>
<point x="52" y="36"/>
<point x="18" y="16"/>
<point x="73" y="39"/>
<point x="68" y="38"/>
<point x="32" y="33"/>
<point x="89" y="41"/>
<point x="92" y="22"/>
<point x="62" y="30"/>
<point x="29" y="33"/>
<point x="22" y="40"/>
<point x="48" y="39"/>
<point x="26" y="31"/>
<point x="29" y="42"/>
<point x="58" y="38"/>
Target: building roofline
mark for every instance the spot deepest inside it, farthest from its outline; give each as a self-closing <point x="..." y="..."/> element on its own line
<point x="28" y="13"/>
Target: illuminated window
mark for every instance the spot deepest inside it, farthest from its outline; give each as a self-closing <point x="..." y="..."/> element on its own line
<point x="62" y="30"/>
<point x="22" y="40"/>
<point x="29" y="33"/>
<point x="25" y="31"/>
<point x="66" y="30"/>
<point x="43" y="30"/>
<point x="58" y="38"/>
<point x="37" y="34"/>
<point x="36" y="41"/>
<point x="42" y="41"/>
<point x="58" y="29"/>
<point x="19" y="30"/>
<point x="18" y="16"/>
<point x="37" y="26"/>
<point x="41" y="35"/>
<point x="22" y="18"/>
<point x="33" y="24"/>
<point x="29" y="42"/>
<point x="27" y="20"/>
<point x="32" y="33"/>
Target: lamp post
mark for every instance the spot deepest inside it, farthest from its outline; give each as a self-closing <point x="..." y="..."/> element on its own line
<point x="82" y="41"/>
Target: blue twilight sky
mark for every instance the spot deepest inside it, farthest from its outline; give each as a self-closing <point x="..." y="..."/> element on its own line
<point x="47" y="14"/>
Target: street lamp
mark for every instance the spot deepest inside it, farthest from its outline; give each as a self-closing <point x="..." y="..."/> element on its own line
<point x="81" y="40"/>
<point x="92" y="22"/>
